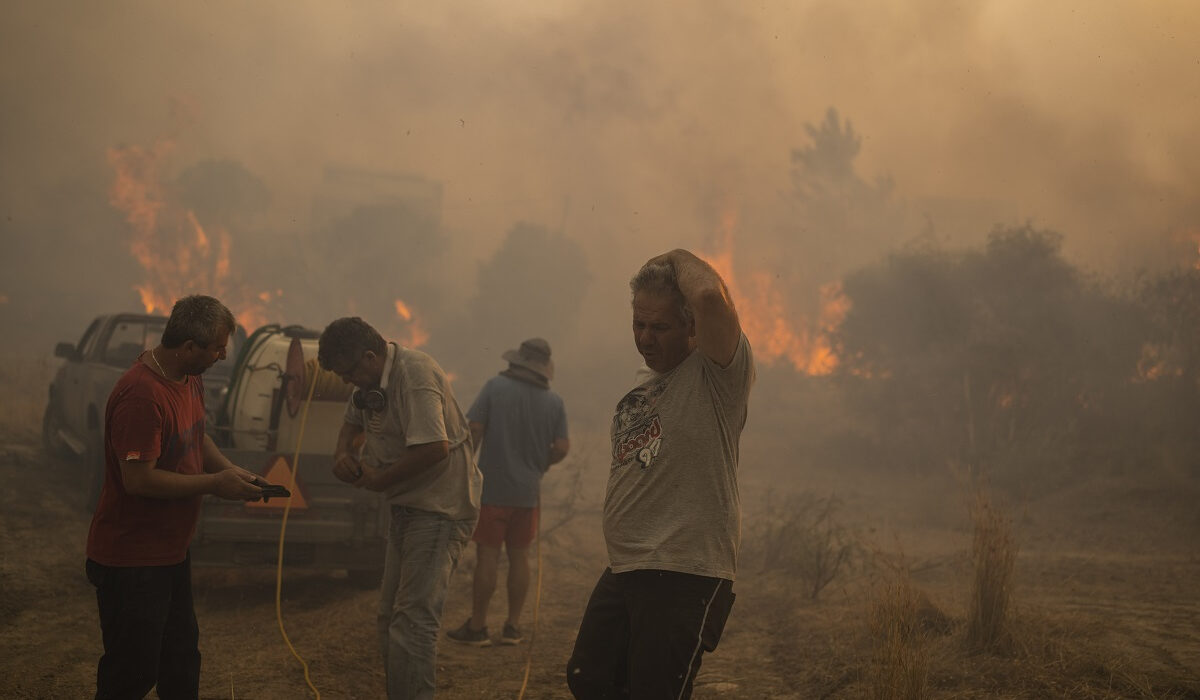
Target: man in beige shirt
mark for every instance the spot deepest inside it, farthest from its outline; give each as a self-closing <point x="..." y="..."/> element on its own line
<point x="417" y="451"/>
<point x="671" y="513"/>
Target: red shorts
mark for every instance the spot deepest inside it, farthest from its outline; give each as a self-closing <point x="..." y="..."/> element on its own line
<point x="512" y="527"/>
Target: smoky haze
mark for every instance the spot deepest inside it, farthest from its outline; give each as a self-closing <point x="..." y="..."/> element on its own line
<point x="612" y="131"/>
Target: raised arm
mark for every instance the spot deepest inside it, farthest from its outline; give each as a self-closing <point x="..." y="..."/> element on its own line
<point x="717" y="328"/>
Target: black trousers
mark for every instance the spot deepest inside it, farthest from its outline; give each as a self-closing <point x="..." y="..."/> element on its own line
<point x="643" y="634"/>
<point x="148" y="623"/>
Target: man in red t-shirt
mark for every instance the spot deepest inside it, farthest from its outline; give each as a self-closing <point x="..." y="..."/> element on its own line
<point x="159" y="464"/>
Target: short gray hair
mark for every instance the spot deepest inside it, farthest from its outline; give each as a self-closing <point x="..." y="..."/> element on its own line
<point x="659" y="279"/>
<point x="198" y="318"/>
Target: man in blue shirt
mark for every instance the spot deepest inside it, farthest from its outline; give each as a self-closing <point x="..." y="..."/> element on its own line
<point x="520" y="426"/>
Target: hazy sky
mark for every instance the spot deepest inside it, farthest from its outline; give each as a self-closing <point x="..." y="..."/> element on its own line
<point x="624" y="121"/>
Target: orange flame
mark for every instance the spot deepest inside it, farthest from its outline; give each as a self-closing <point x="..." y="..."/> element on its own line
<point x="1156" y="362"/>
<point x="413" y="333"/>
<point x="403" y="311"/>
<point x="180" y="256"/>
<point x="169" y="242"/>
<point x="775" y="332"/>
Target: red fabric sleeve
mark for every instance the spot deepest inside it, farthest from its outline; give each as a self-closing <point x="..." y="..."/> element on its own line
<point x="135" y="430"/>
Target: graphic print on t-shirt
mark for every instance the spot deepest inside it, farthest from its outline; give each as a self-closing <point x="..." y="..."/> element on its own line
<point x="637" y="429"/>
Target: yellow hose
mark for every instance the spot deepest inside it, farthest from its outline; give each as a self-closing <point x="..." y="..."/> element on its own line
<point x="283" y="528"/>
<point x="537" y="602"/>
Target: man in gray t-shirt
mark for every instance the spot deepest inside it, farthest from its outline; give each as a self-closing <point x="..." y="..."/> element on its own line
<point x="520" y="427"/>
<point x="671" y="511"/>
<point x="416" y="449"/>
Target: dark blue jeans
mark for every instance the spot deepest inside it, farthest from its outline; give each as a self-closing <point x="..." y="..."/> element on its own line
<point x="643" y="634"/>
<point x="148" y="623"/>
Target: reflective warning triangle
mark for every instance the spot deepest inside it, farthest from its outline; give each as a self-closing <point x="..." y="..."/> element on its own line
<point x="280" y="473"/>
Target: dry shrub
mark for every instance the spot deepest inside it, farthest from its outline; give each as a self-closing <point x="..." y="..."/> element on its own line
<point x="993" y="553"/>
<point x="899" y="668"/>
<point x="804" y="538"/>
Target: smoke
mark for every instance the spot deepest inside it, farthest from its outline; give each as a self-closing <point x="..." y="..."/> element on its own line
<point x="627" y="127"/>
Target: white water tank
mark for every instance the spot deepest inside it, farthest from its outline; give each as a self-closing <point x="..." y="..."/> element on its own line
<point x="270" y="388"/>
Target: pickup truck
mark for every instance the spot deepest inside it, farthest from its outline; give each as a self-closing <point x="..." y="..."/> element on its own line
<point x="79" y="392"/>
<point x="263" y="416"/>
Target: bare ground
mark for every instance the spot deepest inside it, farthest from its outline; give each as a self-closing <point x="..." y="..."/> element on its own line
<point x="1106" y="600"/>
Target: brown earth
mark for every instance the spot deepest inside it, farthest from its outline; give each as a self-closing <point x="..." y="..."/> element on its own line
<point x="1106" y="597"/>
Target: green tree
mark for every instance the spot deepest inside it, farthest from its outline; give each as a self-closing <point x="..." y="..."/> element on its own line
<point x="993" y="359"/>
<point x="836" y="219"/>
<point x="532" y="286"/>
<point x="1167" y="399"/>
<point x="365" y="261"/>
<point x="825" y="167"/>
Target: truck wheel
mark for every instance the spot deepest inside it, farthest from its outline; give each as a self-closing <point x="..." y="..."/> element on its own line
<point x="365" y="579"/>
<point x="51" y="423"/>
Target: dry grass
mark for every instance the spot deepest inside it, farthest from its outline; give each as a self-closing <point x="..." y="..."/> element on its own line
<point x="899" y="668"/>
<point x="994" y="553"/>
<point x="1092" y="621"/>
